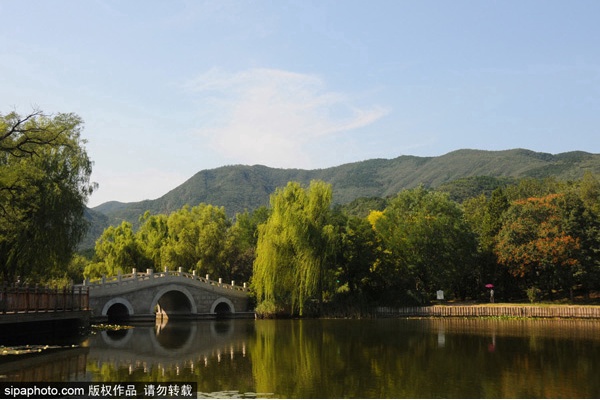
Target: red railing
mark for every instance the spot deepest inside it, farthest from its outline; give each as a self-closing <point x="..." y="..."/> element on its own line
<point x="35" y="299"/>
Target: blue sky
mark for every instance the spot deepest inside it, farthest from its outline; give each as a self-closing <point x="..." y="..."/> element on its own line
<point x="168" y="88"/>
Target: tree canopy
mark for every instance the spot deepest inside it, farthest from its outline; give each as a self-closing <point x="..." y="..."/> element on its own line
<point x="292" y="247"/>
<point x="429" y="242"/>
<point x="44" y="186"/>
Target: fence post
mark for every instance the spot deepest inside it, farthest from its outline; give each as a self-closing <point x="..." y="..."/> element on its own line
<point x="27" y="299"/>
<point x="4" y="298"/>
<point x="64" y="299"/>
<point x="36" y="297"/>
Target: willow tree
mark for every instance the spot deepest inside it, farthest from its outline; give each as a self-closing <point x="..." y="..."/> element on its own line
<point x="152" y="235"/>
<point x="197" y="239"/>
<point x="44" y="186"/>
<point x="292" y="247"/>
<point x="117" y="250"/>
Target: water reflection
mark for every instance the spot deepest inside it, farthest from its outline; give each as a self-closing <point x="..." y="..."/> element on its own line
<point x="54" y="365"/>
<point x="213" y="353"/>
<point x="390" y="358"/>
<point x="177" y="344"/>
<point x="427" y="358"/>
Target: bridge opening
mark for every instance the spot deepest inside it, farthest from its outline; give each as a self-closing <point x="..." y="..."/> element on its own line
<point x="174" y="335"/>
<point x="117" y="313"/>
<point x="223" y="310"/>
<point x="172" y="305"/>
<point x="117" y="335"/>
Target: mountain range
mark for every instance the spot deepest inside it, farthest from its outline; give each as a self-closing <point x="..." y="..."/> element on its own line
<point x="242" y="187"/>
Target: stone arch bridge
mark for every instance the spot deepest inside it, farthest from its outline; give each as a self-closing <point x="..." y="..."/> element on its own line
<point x="154" y="296"/>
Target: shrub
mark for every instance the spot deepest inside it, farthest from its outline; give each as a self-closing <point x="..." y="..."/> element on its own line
<point x="533" y="294"/>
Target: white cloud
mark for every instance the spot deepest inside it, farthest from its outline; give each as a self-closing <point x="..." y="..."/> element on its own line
<point x="270" y="116"/>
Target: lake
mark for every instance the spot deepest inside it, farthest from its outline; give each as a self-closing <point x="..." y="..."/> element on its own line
<point x="329" y="358"/>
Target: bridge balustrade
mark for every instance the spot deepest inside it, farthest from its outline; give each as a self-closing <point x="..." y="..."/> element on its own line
<point x="35" y="299"/>
<point x="133" y="277"/>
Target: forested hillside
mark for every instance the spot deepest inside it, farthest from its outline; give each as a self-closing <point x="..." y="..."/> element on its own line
<point x="463" y="173"/>
<point x="535" y="239"/>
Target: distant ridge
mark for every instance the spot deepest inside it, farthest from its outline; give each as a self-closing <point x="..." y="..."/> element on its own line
<point x="240" y="187"/>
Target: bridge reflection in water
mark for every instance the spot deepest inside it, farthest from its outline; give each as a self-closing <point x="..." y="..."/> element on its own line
<point x="167" y="350"/>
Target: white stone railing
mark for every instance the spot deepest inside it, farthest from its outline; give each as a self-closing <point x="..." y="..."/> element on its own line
<point x="135" y="277"/>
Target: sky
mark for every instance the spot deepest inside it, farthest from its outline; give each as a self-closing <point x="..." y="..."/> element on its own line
<point x="170" y="88"/>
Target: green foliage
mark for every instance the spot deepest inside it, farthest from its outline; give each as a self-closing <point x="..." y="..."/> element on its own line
<point x="357" y="254"/>
<point x="197" y="240"/>
<point x="118" y="251"/>
<point x="242" y="241"/>
<point x="268" y="309"/>
<point x="44" y="185"/>
<point x="292" y="246"/>
<point x="589" y="192"/>
<point x="152" y="236"/>
<point x="362" y="206"/>
<point x="470" y="187"/>
<point x="533" y="294"/>
<point x="200" y="239"/>
<point x="300" y="252"/>
<point x="430" y="244"/>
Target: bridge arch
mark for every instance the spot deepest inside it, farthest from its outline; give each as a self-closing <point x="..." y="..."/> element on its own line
<point x="118" y="308"/>
<point x="119" y="341"/>
<point x="173" y="340"/>
<point x="222" y="306"/>
<point x="175" y="299"/>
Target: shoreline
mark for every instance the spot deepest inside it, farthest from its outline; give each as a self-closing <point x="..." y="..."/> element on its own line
<point x="502" y="310"/>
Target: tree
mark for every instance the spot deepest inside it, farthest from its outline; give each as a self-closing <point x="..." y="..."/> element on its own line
<point x="241" y="243"/>
<point x="430" y="243"/>
<point x="579" y="212"/>
<point x="44" y="186"/>
<point x="484" y="216"/>
<point x="151" y="236"/>
<point x="589" y="191"/>
<point x="357" y="253"/>
<point x="532" y="187"/>
<point x="118" y="251"/>
<point x="179" y="249"/>
<point x="534" y="244"/>
<point x="292" y="247"/>
<point x="197" y="240"/>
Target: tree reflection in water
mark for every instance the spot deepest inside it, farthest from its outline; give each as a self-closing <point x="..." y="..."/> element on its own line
<point x="390" y="358"/>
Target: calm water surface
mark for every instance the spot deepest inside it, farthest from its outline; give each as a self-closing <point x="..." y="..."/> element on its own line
<point x="387" y="358"/>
